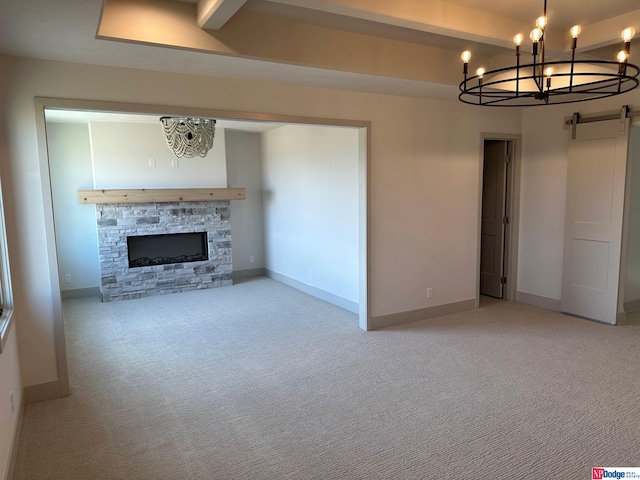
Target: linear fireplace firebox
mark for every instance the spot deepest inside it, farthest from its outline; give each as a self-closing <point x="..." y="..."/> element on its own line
<point x="146" y="250"/>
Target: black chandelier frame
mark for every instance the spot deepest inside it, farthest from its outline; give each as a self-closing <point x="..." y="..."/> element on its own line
<point x="484" y="89"/>
<point x="537" y="83"/>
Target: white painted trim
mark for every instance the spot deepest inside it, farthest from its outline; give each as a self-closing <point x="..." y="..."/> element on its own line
<point x="52" y="256"/>
<point x="15" y="440"/>
<point x="364" y="234"/>
<point x="411" y="316"/>
<point x="314" y="292"/>
<point x="6" y="292"/>
<point x="6" y="322"/>
<point x="538" y="301"/>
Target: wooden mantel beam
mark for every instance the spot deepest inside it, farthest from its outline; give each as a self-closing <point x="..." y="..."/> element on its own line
<point x="160" y="195"/>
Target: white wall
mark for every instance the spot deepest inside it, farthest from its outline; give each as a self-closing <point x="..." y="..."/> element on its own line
<point x="311" y="206"/>
<point x="244" y="169"/>
<point x="425" y="177"/>
<point x="76" y="235"/>
<point x="632" y="283"/>
<point x="543" y="194"/>
<point x="9" y="382"/>
<point x="121" y="153"/>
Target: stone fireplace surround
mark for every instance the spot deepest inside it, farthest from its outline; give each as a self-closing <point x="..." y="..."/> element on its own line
<point x="117" y="221"/>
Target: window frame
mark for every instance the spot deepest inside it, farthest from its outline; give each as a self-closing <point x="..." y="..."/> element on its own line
<point x="6" y="294"/>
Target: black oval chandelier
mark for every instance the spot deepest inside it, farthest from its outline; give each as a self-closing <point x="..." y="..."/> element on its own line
<point x="543" y="82"/>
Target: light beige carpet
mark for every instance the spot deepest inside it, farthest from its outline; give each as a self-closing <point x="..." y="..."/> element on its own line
<point x="259" y="381"/>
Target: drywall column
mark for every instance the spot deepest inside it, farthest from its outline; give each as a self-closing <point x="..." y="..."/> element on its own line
<point x="244" y="169"/>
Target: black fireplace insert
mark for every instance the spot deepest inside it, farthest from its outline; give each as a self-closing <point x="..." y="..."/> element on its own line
<point x="147" y="250"/>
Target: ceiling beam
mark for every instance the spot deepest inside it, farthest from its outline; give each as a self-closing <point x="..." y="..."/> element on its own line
<point x="434" y="16"/>
<point x="168" y="23"/>
<point x="213" y="14"/>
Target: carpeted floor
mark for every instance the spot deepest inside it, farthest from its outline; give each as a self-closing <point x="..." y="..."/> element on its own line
<point x="259" y="381"/>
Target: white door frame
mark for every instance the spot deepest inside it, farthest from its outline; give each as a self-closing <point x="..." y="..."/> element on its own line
<point x="513" y="213"/>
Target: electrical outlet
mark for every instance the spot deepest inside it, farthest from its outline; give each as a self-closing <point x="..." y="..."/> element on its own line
<point x="67" y="278"/>
<point x="152" y="162"/>
<point x="310" y="274"/>
<point x="12" y="402"/>
<point x="429" y="292"/>
<point x="175" y="163"/>
<point x="252" y="259"/>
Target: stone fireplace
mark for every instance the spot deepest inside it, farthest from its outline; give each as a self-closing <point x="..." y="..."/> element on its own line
<point x="160" y="272"/>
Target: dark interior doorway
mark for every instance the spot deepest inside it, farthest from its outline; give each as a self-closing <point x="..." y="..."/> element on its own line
<point x="495" y="218"/>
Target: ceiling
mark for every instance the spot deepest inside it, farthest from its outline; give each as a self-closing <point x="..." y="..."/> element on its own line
<point x="402" y="47"/>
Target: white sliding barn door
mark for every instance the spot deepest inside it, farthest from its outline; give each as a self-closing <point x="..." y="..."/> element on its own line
<point x="594" y="216"/>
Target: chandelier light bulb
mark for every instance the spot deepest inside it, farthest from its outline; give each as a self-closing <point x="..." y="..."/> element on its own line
<point x="466" y="56"/>
<point x="535" y="35"/>
<point x="628" y="33"/>
<point x="548" y="72"/>
<point x="518" y="39"/>
<point x="622" y="56"/>
<point x="575" y="31"/>
<point x="480" y="72"/>
<point x="541" y="22"/>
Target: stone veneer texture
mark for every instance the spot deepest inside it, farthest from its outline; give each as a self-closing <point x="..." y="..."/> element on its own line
<point x="116" y="222"/>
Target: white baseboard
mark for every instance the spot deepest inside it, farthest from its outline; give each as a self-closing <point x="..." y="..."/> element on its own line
<point x="249" y="273"/>
<point x="80" y="293"/>
<point x="538" y="301"/>
<point x="15" y="440"/>
<point x="314" y="292"/>
<point x="41" y="392"/>
<point x="422" y="314"/>
<point x="632" y="306"/>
